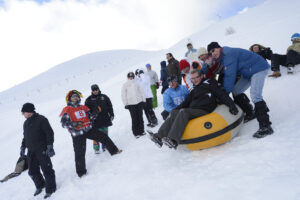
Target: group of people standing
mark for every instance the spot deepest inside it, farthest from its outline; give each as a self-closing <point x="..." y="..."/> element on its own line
<point x="89" y="121"/>
<point x="209" y="74"/>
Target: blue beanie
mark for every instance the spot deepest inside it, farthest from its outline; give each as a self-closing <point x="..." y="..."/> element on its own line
<point x="148" y="65"/>
<point x="295" y="36"/>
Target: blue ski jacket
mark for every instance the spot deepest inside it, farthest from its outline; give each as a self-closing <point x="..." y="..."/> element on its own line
<point x="237" y="61"/>
<point x="174" y="97"/>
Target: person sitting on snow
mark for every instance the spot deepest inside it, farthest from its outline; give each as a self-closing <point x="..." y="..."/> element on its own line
<point x="289" y="60"/>
<point x="78" y="120"/>
<point x="200" y="101"/>
<point x="264" y="52"/>
<point x="173" y="96"/>
<point x="253" y="70"/>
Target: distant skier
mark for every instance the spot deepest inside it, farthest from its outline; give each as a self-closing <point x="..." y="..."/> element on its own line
<point x="77" y="119"/>
<point x="133" y="100"/>
<point x="289" y="60"/>
<point x="38" y="139"/>
<point x="253" y="70"/>
<point x="101" y="107"/>
<point x="154" y="84"/>
<point x="144" y="82"/>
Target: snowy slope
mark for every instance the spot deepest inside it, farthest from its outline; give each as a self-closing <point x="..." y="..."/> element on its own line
<point x="245" y="168"/>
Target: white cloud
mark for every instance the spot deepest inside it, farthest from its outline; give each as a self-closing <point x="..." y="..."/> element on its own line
<point x="35" y="37"/>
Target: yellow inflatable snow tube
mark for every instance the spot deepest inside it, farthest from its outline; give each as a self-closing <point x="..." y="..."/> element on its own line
<point x="212" y="129"/>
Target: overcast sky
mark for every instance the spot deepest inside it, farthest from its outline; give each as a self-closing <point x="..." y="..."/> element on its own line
<point x="37" y="35"/>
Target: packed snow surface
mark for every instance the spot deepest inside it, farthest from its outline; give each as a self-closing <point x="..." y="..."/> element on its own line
<point x="244" y="168"/>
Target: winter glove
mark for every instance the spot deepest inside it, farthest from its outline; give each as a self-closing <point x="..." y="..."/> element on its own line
<point x="127" y="107"/>
<point x="233" y="110"/>
<point x="50" y="151"/>
<point x="77" y="124"/>
<point x="112" y="118"/>
<point x="157" y="85"/>
<point x="22" y="151"/>
<point x="204" y="69"/>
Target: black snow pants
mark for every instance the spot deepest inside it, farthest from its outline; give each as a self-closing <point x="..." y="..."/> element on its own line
<point x="149" y="111"/>
<point x="176" y="122"/>
<point x="79" y="144"/>
<point x="37" y="160"/>
<point x="292" y="57"/>
<point x="136" y="113"/>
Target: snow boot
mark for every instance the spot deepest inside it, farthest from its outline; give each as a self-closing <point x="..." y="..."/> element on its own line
<point x="80" y="175"/>
<point x="48" y="194"/>
<point x="140" y="135"/>
<point x="154" y="138"/>
<point x="275" y="74"/>
<point x="172" y="144"/>
<point x="290" y="69"/>
<point x="97" y="151"/>
<point x="261" y="112"/>
<point x="38" y="191"/>
<point x="150" y="125"/>
<point x="244" y="103"/>
<point x="264" y="131"/>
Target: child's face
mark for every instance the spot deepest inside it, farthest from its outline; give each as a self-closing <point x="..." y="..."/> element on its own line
<point x="74" y="98"/>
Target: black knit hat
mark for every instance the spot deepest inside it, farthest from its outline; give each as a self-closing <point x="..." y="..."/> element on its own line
<point x="130" y="74"/>
<point x="28" y="107"/>
<point x="212" y="46"/>
<point x="95" y="87"/>
<point x="172" y="78"/>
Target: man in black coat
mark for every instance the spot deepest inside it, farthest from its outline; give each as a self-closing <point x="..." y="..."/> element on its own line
<point x="200" y="101"/>
<point x="38" y="139"/>
<point x="173" y="67"/>
<point x="100" y="106"/>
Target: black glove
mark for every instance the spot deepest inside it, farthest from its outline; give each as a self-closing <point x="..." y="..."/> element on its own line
<point x="157" y="85"/>
<point x="112" y="118"/>
<point x="50" y="151"/>
<point x="22" y="151"/>
<point x="127" y="107"/>
<point x="233" y="110"/>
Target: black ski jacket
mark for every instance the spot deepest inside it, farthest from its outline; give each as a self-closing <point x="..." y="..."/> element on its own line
<point x="100" y="105"/>
<point x="37" y="133"/>
<point x="206" y="96"/>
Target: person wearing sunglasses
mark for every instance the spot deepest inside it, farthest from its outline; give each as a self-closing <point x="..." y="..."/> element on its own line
<point x="200" y="101"/>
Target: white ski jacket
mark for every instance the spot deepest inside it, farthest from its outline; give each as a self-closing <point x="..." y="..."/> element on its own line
<point x="132" y="93"/>
<point x="144" y="82"/>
